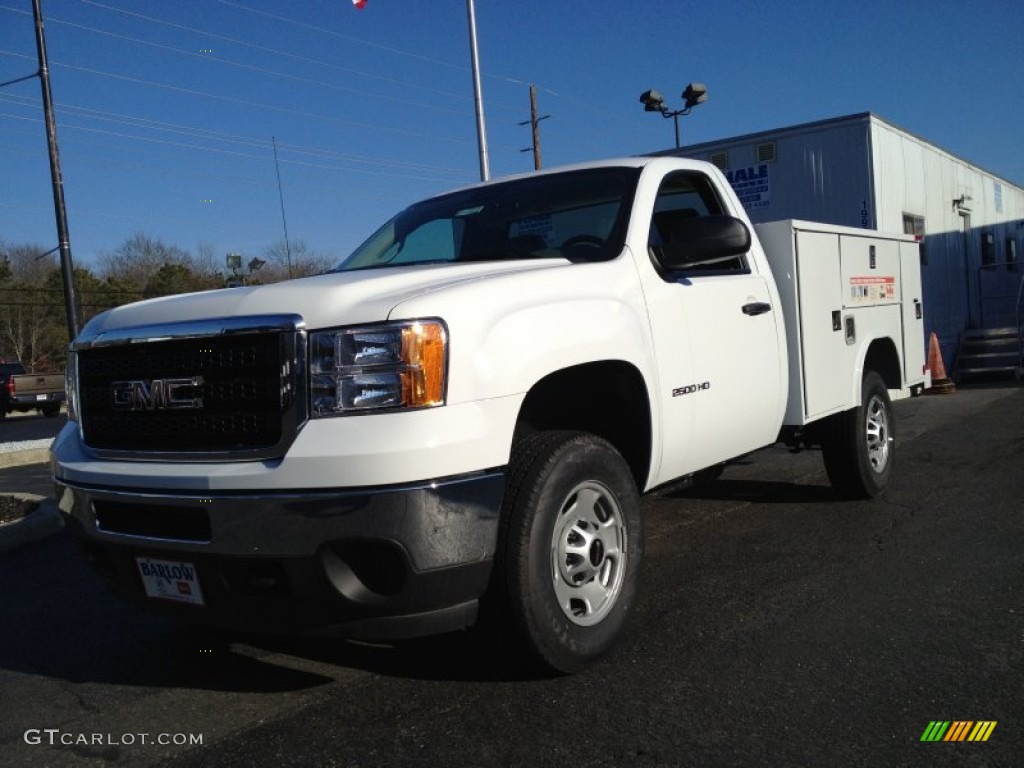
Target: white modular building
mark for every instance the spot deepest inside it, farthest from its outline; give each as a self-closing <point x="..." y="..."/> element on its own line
<point x="863" y="171"/>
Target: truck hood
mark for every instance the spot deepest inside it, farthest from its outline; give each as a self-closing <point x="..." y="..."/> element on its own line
<point x="324" y="301"/>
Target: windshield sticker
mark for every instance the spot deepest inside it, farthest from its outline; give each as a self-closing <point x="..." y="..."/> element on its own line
<point x="534" y="225"/>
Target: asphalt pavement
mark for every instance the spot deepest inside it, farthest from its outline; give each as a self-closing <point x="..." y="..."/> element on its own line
<point x="777" y="625"/>
<point x="32" y="478"/>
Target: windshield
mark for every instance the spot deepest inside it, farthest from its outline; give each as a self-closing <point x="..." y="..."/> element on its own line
<point x="576" y="215"/>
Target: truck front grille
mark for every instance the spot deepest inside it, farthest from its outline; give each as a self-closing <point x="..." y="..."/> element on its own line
<point x="240" y="395"/>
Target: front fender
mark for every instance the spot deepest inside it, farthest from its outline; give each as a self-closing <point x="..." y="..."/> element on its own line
<point x="510" y="331"/>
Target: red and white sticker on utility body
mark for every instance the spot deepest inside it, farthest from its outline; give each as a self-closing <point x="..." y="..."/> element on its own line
<point x="170" y="580"/>
<point x="868" y="290"/>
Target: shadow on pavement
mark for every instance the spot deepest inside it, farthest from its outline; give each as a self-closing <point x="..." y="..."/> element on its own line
<point x="64" y="623"/>
<point x="759" y="491"/>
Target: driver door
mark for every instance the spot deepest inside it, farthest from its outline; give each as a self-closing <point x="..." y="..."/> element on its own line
<point x="716" y="341"/>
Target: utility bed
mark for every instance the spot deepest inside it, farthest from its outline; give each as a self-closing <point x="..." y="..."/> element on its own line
<point x="841" y="288"/>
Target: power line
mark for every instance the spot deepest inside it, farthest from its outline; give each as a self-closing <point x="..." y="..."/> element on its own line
<point x="246" y="102"/>
<point x="263" y="70"/>
<point x="573" y="114"/>
<point x="578" y="105"/>
<point x="288" y="54"/>
<point x="251" y="141"/>
<point x="232" y="153"/>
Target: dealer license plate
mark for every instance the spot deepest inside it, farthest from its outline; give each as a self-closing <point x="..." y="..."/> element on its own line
<point x="170" y="580"/>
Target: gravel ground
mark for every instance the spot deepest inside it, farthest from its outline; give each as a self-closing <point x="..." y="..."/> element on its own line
<point x="12" y="508"/>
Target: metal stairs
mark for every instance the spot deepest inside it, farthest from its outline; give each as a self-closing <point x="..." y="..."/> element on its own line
<point x="989" y="353"/>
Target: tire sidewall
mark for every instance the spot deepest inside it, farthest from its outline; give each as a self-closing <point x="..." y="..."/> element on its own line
<point x="562" y="643"/>
<point x="874" y="482"/>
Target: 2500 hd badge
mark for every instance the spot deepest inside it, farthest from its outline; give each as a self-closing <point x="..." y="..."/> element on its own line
<point x="689" y="389"/>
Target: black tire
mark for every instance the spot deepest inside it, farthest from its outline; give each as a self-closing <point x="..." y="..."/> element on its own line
<point x="570" y="551"/>
<point x="50" y="410"/>
<point x="859" y="445"/>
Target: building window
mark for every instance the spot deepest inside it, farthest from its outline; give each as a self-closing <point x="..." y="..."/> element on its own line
<point x="914" y="225"/>
<point x="1011" y="254"/>
<point x="988" y="249"/>
<point x="720" y="160"/>
<point x="766" y="152"/>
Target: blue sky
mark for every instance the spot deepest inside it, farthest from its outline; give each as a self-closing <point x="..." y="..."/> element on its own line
<point x="165" y="110"/>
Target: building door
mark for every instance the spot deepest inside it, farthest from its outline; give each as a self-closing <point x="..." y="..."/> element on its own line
<point x="965" y="238"/>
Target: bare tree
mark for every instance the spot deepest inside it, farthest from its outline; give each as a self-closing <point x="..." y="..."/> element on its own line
<point x="139" y="258"/>
<point x="24" y="299"/>
<point x="304" y="261"/>
<point x="29" y="263"/>
<point x="208" y="266"/>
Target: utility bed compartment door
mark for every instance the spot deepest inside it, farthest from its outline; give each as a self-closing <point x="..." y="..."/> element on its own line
<point x="871" y="271"/>
<point x="841" y="288"/>
<point x="825" y="357"/>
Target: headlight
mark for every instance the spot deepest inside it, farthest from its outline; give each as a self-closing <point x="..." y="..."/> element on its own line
<point x="395" y="365"/>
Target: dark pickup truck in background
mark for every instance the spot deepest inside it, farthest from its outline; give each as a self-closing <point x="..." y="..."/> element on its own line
<point x="23" y="391"/>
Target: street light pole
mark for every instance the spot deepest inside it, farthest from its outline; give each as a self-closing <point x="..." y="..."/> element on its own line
<point x="63" y="239"/>
<point x="695" y="93"/>
<point x="481" y="128"/>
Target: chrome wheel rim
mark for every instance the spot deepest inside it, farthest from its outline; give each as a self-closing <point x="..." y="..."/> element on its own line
<point x="588" y="553"/>
<point x="878" y="435"/>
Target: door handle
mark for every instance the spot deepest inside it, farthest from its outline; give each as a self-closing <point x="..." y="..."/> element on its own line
<point x="757" y="308"/>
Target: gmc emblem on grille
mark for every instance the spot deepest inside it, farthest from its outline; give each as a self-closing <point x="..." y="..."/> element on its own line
<point x="156" y="395"/>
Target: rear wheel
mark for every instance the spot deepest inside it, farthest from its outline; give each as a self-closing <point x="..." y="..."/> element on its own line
<point x="859" y="446"/>
<point x="571" y="548"/>
<point x="50" y="410"/>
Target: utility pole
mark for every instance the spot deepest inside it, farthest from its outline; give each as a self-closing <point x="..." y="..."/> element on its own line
<point x="63" y="239"/>
<point x="533" y="123"/>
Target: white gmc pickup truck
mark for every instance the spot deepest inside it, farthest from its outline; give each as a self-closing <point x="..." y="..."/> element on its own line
<point x="459" y="420"/>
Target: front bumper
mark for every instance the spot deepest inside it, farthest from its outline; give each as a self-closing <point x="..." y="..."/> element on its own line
<point x="384" y="562"/>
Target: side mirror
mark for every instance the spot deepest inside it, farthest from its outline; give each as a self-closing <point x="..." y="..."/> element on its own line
<point x="697" y="242"/>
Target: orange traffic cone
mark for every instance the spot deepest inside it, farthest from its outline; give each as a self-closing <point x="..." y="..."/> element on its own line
<point x="941" y="383"/>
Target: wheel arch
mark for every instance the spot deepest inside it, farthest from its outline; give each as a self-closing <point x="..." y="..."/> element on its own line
<point x="883" y="357"/>
<point x="607" y="398"/>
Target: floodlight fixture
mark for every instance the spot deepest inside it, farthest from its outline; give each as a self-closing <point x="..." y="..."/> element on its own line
<point x="695" y="93"/>
<point x="653" y="101"/>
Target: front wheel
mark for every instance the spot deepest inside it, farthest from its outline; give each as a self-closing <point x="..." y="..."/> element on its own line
<point x="860" y="444"/>
<point x="571" y="549"/>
